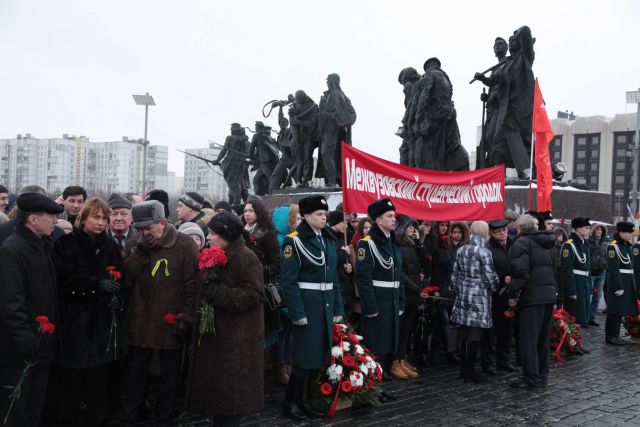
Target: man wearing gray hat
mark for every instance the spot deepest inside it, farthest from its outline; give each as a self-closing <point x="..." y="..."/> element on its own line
<point x="189" y="209"/>
<point x="28" y="291"/>
<point x="160" y="266"/>
<point x="120" y="228"/>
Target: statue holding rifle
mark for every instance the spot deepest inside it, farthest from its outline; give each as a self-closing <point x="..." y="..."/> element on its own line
<point x="234" y="161"/>
<point x="513" y="84"/>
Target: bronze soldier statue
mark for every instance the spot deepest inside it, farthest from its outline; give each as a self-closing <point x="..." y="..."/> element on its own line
<point x="233" y="159"/>
<point x="303" y="116"/>
<point x="407" y="78"/>
<point x="514" y="86"/>
<point x="281" y="172"/>
<point x="432" y="118"/>
<point x="264" y="155"/>
<point x="490" y="103"/>
<point x="336" y="118"/>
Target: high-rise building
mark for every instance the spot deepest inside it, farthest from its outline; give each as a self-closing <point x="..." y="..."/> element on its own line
<point x="55" y="163"/>
<point x="598" y="153"/>
<point x="204" y="178"/>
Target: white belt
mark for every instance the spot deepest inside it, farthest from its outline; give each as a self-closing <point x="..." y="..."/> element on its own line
<point x="581" y="272"/>
<point x="316" y="286"/>
<point x="381" y="284"/>
<point x="626" y="271"/>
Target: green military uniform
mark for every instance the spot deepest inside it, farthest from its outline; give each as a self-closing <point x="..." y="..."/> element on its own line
<point x="621" y="257"/>
<point x="575" y="276"/>
<point x="309" y="281"/>
<point x="379" y="280"/>
<point x="635" y="251"/>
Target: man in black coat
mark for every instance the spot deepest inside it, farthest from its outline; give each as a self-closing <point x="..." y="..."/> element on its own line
<point x="28" y="290"/>
<point x="532" y="268"/>
<point x="502" y="329"/>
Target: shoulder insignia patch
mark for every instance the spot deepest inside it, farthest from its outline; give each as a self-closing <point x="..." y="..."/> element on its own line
<point x="287" y="251"/>
<point x="612" y="253"/>
<point x="294" y="234"/>
<point x="636" y="251"/>
<point x="613" y="242"/>
<point x="569" y="241"/>
<point x="361" y="254"/>
<point x="565" y="253"/>
<point x="366" y="238"/>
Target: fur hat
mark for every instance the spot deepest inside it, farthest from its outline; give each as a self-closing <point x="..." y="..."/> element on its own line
<point x="379" y="207"/>
<point x="624" y="227"/>
<point x="146" y="213"/>
<point x="580" y="221"/>
<point x="311" y="204"/>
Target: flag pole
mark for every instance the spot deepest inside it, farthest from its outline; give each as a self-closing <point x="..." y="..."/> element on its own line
<point x="533" y="145"/>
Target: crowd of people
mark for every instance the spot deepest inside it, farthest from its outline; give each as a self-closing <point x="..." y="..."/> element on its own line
<point x="101" y="301"/>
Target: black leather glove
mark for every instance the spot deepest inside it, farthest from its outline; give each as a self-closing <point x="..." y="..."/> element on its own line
<point x="145" y="243"/>
<point x="109" y="286"/>
<point x="115" y="303"/>
<point x="212" y="289"/>
<point x="181" y="329"/>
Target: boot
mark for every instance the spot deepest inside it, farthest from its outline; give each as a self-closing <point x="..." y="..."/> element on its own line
<point x="397" y="372"/>
<point x="472" y="375"/>
<point x="295" y="390"/>
<point x="283" y="376"/>
<point x="409" y="365"/>
<point x="463" y="361"/>
<point x="408" y="371"/>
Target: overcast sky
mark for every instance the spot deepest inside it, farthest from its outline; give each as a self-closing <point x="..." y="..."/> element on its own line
<point x="72" y="66"/>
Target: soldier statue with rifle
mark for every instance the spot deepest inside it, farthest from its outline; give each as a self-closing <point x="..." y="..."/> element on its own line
<point x="486" y="148"/>
<point x="233" y="159"/>
<point x="264" y="155"/>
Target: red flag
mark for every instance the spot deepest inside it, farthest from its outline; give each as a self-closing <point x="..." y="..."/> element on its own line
<point x="544" y="135"/>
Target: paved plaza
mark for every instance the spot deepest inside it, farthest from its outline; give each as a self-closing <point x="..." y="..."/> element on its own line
<point x="602" y="388"/>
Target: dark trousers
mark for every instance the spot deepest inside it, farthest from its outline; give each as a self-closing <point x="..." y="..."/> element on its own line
<point x="136" y="381"/>
<point x="296" y="387"/>
<point x="495" y="346"/>
<point x="27" y="409"/>
<point x="406" y="322"/>
<point x="329" y="134"/>
<point x="612" y="326"/>
<point x="84" y="395"/>
<point x="535" y="334"/>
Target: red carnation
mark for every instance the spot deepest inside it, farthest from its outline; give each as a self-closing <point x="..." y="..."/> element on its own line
<point x="42" y="319"/>
<point x="353" y="338"/>
<point x="116" y="275"/>
<point x="370" y="384"/>
<point x="346" y="386"/>
<point x="47" y="327"/>
<point x="349" y="361"/>
<point x="111" y="268"/>
<point x="509" y="314"/>
<point x="170" y="318"/>
<point x="326" y="389"/>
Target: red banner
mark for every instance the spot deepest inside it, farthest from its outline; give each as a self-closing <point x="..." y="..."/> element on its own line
<point x="420" y="193"/>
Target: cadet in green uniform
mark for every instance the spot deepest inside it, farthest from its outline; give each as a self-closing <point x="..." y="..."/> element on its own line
<point x="379" y="280"/>
<point x="576" y="265"/>
<point x="312" y="293"/>
<point x="621" y="287"/>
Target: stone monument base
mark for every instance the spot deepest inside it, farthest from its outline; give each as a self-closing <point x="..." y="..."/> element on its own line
<point x="567" y="201"/>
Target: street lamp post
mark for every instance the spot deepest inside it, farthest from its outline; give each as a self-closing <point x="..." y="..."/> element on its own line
<point x="145" y="100"/>
<point x="634" y="98"/>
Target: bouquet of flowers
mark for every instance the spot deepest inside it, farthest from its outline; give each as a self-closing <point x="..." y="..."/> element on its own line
<point x="113" y="331"/>
<point x="632" y="323"/>
<point x="353" y="373"/>
<point x="566" y="334"/>
<point x="210" y="262"/>
<point x="44" y="327"/>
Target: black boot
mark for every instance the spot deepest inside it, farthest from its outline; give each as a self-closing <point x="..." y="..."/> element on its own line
<point x="612" y="329"/>
<point x="472" y="353"/>
<point x="295" y="389"/>
<point x="463" y="361"/>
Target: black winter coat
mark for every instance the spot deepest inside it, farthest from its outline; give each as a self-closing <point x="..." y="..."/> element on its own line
<point x="85" y="319"/>
<point x="27" y="290"/>
<point x="414" y="262"/>
<point x="500" y="255"/>
<point x="532" y="268"/>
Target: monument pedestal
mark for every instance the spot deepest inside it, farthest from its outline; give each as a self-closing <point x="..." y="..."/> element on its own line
<point x="567" y="201"/>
